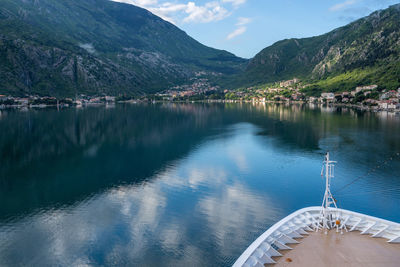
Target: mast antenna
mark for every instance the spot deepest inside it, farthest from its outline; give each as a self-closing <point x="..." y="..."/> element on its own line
<point x="326" y="220"/>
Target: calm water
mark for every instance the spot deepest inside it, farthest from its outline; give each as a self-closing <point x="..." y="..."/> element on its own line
<point x="179" y="185"/>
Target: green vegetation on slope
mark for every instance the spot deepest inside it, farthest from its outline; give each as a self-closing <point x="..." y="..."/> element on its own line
<point x="365" y="51"/>
<point x="64" y="48"/>
<point x="386" y="76"/>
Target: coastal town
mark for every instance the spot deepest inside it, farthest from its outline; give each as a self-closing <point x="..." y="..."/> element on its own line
<point x="45" y="101"/>
<point x="364" y="97"/>
<point x="370" y="97"/>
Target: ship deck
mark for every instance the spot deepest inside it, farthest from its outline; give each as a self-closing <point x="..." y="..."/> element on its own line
<point x="334" y="249"/>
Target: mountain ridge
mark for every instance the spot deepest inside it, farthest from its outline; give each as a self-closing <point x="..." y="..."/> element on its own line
<point x="97" y="46"/>
<point x="369" y="42"/>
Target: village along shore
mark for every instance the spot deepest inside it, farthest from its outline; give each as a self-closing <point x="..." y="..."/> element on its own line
<point x="367" y="97"/>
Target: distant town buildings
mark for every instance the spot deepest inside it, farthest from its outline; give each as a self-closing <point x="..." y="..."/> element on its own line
<point x="369" y="96"/>
<point x="42" y="101"/>
<point x="364" y="88"/>
<point x="275" y="90"/>
<point x="200" y="85"/>
<point x="289" y="82"/>
<point x="366" y="96"/>
<point x="388" y="95"/>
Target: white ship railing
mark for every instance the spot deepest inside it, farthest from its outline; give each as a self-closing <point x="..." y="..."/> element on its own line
<point x="297" y="224"/>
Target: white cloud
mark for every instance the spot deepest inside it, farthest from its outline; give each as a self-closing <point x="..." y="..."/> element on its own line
<point x="141" y="3"/>
<point x="187" y="12"/>
<point x="161" y="10"/>
<point x="343" y="5"/>
<point x="235" y="2"/>
<point x="167" y="10"/>
<point x="237" y="32"/>
<point x="211" y="11"/>
<point x="243" y="21"/>
<point x="241" y="28"/>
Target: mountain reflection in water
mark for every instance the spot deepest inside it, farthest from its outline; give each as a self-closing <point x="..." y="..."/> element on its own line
<point x="178" y="184"/>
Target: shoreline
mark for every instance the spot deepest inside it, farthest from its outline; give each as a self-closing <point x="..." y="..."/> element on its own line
<point x="62" y="106"/>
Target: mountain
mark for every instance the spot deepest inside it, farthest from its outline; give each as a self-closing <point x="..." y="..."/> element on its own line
<point x="363" y="52"/>
<point x="65" y="47"/>
<point x="68" y="47"/>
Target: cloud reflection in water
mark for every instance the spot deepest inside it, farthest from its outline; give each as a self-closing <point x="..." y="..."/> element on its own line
<point x="176" y="185"/>
<point x="129" y="224"/>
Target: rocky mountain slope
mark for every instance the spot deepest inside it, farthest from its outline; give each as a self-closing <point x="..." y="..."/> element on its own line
<point x="365" y="51"/>
<point x="66" y="47"/>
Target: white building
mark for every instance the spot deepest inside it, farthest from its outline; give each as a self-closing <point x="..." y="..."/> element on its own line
<point x="366" y="88"/>
<point x="392" y="106"/>
<point x="110" y="98"/>
<point x="328" y="96"/>
<point x="383" y="105"/>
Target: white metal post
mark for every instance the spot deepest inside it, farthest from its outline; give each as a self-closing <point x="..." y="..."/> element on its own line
<point x="326" y="215"/>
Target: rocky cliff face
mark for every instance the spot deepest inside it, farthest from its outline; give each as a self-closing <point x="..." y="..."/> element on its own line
<point x="364" y="43"/>
<point x="96" y="46"/>
<point x="63" y="48"/>
<point x="29" y="68"/>
<point x="373" y="41"/>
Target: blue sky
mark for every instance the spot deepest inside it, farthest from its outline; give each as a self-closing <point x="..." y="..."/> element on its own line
<point x="244" y="27"/>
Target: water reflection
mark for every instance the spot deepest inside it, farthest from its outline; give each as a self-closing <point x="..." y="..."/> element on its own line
<point x="49" y="158"/>
<point x="177" y="184"/>
<point x="146" y="224"/>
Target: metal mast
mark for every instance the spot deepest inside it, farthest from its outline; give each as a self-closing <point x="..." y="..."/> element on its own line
<point x="326" y="219"/>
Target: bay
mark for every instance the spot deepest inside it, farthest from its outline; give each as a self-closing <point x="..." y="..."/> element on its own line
<point x="180" y="184"/>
